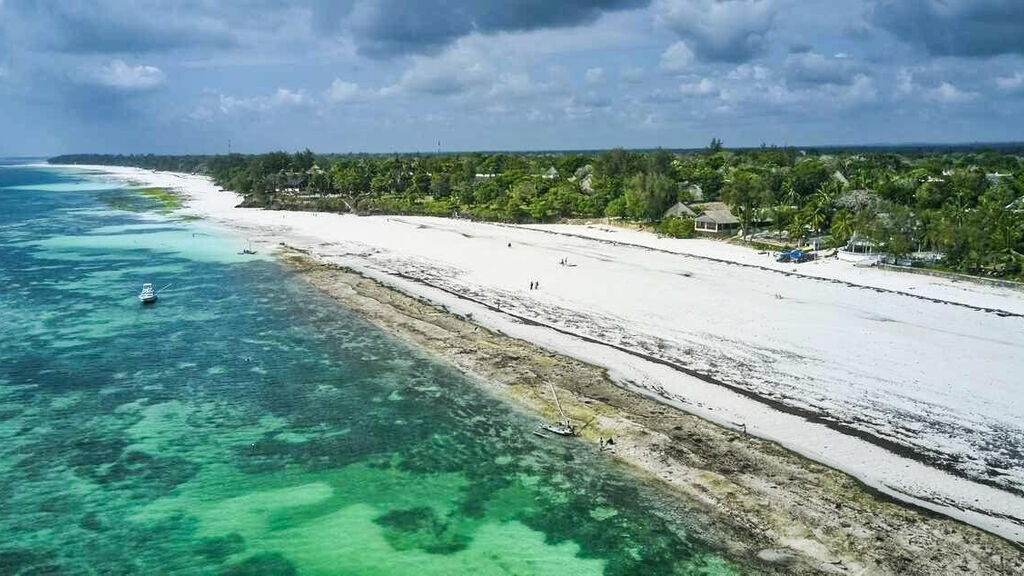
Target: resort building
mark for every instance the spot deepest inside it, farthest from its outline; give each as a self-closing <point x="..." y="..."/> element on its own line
<point x="716" y="217"/>
<point x="679" y="210"/>
<point x="859" y="250"/>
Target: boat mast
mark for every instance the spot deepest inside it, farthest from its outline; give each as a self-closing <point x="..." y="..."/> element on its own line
<point x="559" y="404"/>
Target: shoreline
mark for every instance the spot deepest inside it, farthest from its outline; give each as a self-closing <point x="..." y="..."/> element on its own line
<point x="207" y="201"/>
<point x="778" y="510"/>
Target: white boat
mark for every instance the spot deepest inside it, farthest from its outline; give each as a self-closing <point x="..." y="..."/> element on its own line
<point x="148" y="295"/>
<point x="563" y="428"/>
<point x="860" y="252"/>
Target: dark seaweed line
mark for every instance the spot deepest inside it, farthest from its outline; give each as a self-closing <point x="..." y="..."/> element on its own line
<point x="808" y="415"/>
<point x="996" y="311"/>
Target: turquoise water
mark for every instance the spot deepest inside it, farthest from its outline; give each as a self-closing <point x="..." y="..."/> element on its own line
<point x="247" y="425"/>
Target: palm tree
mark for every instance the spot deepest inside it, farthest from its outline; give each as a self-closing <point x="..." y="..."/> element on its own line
<point x="789" y="195"/>
<point x="842" y="227"/>
<point x="819" y="209"/>
<point x="797" y="227"/>
<point x="936" y="230"/>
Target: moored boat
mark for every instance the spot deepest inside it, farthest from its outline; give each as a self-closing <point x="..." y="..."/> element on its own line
<point x="148" y="294"/>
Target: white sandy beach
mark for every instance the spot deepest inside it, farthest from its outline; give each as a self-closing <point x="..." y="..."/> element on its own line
<point x="910" y="383"/>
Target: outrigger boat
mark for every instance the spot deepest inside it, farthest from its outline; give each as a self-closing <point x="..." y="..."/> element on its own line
<point x="248" y="249"/>
<point x="148" y="295"/>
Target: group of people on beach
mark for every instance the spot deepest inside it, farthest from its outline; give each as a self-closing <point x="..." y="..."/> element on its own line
<point x="535" y="285"/>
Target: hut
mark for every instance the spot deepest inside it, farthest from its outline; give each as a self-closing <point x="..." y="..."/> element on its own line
<point x="679" y="210"/>
<point x="716" y="217"/>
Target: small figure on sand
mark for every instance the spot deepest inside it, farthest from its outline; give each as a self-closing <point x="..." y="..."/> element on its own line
<point x="509" y="244"/>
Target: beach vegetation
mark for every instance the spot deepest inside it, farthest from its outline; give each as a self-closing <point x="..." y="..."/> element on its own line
<point x="677" y="227"/>
<point x="964" y="204"/>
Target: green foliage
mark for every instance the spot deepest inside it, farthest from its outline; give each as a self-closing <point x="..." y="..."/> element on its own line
<point x="677" y="227"/>
<point x="918" y="199"/>
<point x="648" y="195"/>
<point x="746" y="193"/>
<point x="807" y="176"/>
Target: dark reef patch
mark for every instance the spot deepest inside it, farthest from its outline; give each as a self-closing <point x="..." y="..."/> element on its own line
<point x="267" y="564"/>
<point x="420" y="528"/>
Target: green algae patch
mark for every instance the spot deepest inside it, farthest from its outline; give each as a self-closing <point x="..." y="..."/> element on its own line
<point x="167" y="200"/>
<point x="140" y="199"/>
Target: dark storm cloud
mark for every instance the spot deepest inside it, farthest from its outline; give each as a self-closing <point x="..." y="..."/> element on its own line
<point x="804" y="69"/>
<point x="954" y="27"/>
<point x="104" y="26"/>
<point x="388" y="28"/>
<point x="731" y="31"/>
<point x="379" y="28"/>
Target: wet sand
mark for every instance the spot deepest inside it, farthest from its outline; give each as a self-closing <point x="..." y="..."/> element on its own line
<point x="780" y="511"/>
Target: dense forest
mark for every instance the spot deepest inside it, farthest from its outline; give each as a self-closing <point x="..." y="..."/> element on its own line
<point x="965" y="204"/>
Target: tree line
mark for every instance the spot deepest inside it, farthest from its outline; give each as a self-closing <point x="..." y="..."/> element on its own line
<point x="967" y="204"/>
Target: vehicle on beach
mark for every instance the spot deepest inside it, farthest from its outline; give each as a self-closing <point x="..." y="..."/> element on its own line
<point x="148" y="294"/>
<point x="795" y="256"/>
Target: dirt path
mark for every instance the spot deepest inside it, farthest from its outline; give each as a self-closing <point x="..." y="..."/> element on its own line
<point x="780" y="512"/>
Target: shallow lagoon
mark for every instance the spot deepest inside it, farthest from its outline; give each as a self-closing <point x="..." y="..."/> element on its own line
<point x="245" y="424"/>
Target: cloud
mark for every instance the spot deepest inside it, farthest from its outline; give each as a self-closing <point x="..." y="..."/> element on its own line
<point x="1011" y="83"/>
<point x="454" y="72"/>
<point x="954" y="27"/>
<point x="121" y="76"/>
<point x="925" y="85"/>
<point x="861" y="90"/>
<point x="387" y="28"/>
<point x="519" y="85"/>
<point x="720" y="30"/>
<point x="631" y="75"/>
<point x="282" y="98"/>
<point x="677" y="58"/>
<point x="341" y="91"/>
<point x="948" y="93"/>
<point x="109" y="27"/>
<point x="811" y="69"/>
<point x="761" y="91"/>
<point x="586" y="104"/>
<point x="702" y="87"/>
<point x="594" y="76"/>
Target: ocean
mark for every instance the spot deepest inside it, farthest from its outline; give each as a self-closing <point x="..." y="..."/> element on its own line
<point x="247" y="424"/>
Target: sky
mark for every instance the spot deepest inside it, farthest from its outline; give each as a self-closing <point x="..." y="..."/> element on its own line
<point x="190" y="76"/>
